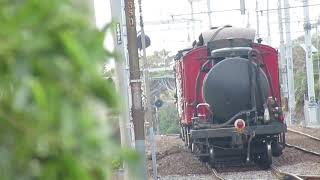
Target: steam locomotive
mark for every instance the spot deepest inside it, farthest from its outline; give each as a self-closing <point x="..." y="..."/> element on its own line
<point x="228" y="98"/>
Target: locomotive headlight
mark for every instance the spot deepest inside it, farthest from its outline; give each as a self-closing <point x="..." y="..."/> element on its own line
<point x="239" y="125"/>
<point x="266" y="115"/>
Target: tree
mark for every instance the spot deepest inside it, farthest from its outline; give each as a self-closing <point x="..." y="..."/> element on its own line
<point x="160" y="88"/>
<point x="160" y="58"/>
<point x="168" y="119"/>
<point x="52" y="93"/>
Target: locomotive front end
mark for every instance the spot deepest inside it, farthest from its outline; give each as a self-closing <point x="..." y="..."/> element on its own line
<point x="240" y="88"/>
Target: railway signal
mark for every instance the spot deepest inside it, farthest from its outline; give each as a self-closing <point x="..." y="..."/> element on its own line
<point x="158" y="103"/>
<point x="147" y="42"/>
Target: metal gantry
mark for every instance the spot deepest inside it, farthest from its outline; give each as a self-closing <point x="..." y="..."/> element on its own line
<point x="310" y="102"/>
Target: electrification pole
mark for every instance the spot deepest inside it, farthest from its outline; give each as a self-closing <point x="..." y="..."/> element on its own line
<point x="268" y="25"/>
<point x="248" y="20"/>
<point x="258" y="25"/>
<point x="122" y="79"/>
<point x="312" y="116"/>
<point x="289" y="61"/>
<point x="317" y="40"/>
<point x="192" y="20"/>
<point x="209" y="13"/>
<point x="283" y="64"/>
<point x="147" y="108"/>
<point x="135" y="83"/>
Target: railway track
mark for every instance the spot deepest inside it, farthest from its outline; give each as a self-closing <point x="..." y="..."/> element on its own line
<point x="281" y="175"/>
<point x="214" y="172"/>
<point x="301" y="148"/>
<point x="278" y="174"/>
<point x="274" y="170"/>
<point x="285" y="175"/>
<point x="303" y="134"/>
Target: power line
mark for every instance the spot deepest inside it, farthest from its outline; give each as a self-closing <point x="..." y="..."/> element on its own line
<point x="290" y="7"/>
<point x="229" y="10"/>
<point x="183" y="28"/>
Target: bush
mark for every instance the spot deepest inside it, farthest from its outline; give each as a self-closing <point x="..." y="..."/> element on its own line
<point x="49" y="54"/>
<point x="169" y="120"/>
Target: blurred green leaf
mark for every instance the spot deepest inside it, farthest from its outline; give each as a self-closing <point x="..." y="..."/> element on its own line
<point x="54" y="102"/>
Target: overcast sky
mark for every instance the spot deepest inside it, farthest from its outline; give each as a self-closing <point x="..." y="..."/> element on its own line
<point x="174" y="36"/>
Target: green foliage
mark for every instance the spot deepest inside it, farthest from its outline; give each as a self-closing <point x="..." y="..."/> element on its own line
<point x="169" y="120"/>
<point x="51" y="92"/>
<point x="316" y="70"/>
<point x="168" y="116"/>
<point x="160" y="58"/>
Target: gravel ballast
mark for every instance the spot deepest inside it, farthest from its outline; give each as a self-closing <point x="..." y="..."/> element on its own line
<point x="175" y="162"/>
<point x="298" y="162"/>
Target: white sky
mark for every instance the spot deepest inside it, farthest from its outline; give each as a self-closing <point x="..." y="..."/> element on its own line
<point x="174" y="36"/>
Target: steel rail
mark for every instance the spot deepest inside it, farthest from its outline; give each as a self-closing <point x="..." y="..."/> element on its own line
<point x="303" y="149"/>
<point x="303" y="134"/>
<point x="170" y="134"/>
<point x="214" y="172"/>
<point x="310" y="177"/>
<point x="283" y="175"/>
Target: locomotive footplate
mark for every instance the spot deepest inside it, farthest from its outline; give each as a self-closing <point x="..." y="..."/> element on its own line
<point x="272" y="128"/>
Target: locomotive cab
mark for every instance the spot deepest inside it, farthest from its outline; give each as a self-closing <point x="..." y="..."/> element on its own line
<point x="230" y="98"/>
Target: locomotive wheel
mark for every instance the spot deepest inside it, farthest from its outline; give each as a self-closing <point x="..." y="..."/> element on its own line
<point x="278" y="146"/>
<point x="185" y="136"/>
<point x="276" y="149"/>
<point x="182" y="133"/>
<point x="212" y="157"/>
<point x="189" y="143"/>
<point x="264" y="159"/>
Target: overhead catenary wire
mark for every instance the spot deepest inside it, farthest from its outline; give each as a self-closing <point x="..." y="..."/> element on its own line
<point x="271" y="23"/>
<point x="228" y="10"/>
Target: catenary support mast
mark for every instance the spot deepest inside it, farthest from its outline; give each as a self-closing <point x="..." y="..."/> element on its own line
<point x="135" y="83"/>
<point x="121" y="79"/>
<point x="209" y="13"/>
<point x="289" y="62"/>
<point x="283" y="64"/>
<point x="268" y="25"/>
<point x="257" y="18"/>
<point x="147" y="108"/>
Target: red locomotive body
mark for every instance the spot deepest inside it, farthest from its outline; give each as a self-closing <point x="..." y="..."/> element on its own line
<point x="228" y="97"/>
<point x="189" y="66"/>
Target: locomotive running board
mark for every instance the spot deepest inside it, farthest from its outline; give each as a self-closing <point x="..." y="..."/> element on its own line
<point x="274" y="128"/>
